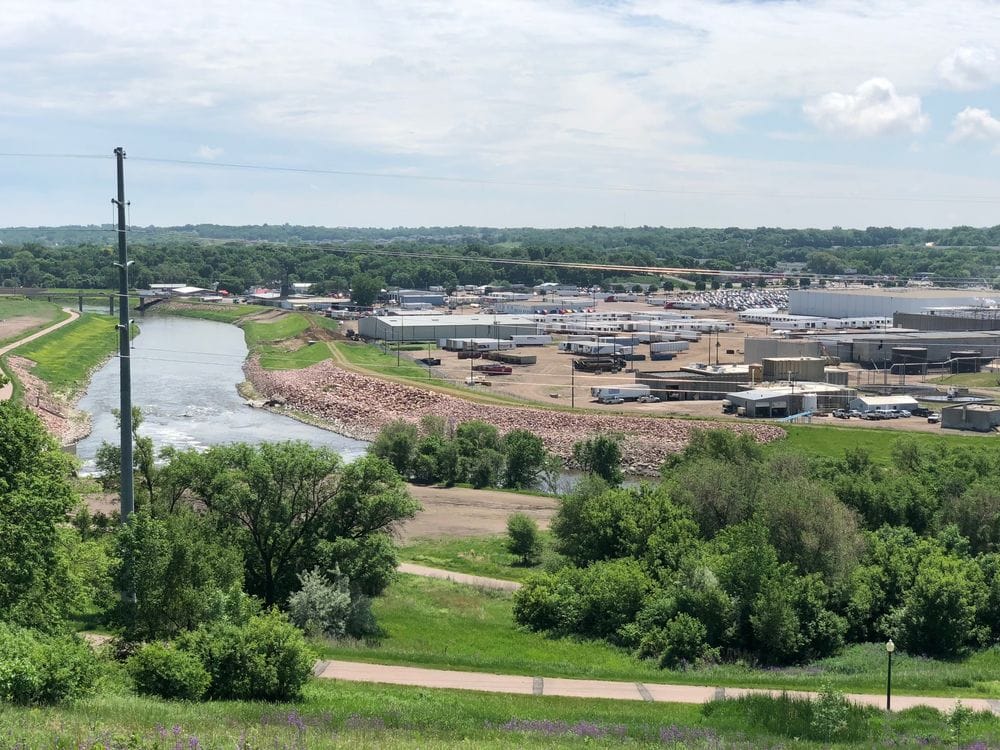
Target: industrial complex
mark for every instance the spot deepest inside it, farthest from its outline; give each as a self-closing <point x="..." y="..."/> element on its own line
<point x="867" y="352"/>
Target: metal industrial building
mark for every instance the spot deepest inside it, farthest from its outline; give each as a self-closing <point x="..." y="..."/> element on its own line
<point x="783" y="401"/>
<point x="976" y="417"/>
<point x="933" y="347"/>
<point x="866" y="301"/>
<point x="436" y="327"/>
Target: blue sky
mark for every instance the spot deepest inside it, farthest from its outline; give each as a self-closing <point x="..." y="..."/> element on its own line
<point x="558" y="113"/>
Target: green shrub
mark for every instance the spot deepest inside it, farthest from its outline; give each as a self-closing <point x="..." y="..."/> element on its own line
<point x="37" y="669"/>
<point x="522" y="538"/>
<point x="266" y="659"/>
<point x="169" y="673"/>
<point x="549" y="601"/>
<point x="685" y="643"/>
<point x="321" y="606"/>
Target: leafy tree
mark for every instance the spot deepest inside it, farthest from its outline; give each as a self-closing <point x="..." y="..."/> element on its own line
<point x="35" y="498"/>
<point x="288" y="505"/>
<point x="976" y="512"/>
<point x="525" y="454"/>
<point x="365" y="288"/>
<point x="522" y="537"/>
<point x="600" y="455"/>
<point x="397" y="444"/>
<point x="595" y="523"/>
<point x="176" y="567"/>
<point x="941" y="611"/>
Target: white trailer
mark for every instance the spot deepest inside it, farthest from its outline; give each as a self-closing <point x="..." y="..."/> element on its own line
<point x="531" y="340"/>
<point x="668" y="346"/>
<point x="605" y="393"/>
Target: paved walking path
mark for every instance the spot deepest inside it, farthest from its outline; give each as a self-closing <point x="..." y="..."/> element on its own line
<point x="481" y="582"/>
<point x="634" y="691"/>
<point x="8" y="390"/>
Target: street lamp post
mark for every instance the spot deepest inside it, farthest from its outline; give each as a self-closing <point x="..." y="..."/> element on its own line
<point x="889" y="648"/>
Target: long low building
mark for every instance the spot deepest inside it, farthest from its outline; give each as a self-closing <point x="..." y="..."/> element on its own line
<point x="876" y="349"/>
<point x="437" y="327"/>
<point x="783" y="401"/>
<point x="879" y="302"/>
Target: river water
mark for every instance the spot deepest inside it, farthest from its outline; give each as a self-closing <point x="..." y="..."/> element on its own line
<point x="184" y="377"/>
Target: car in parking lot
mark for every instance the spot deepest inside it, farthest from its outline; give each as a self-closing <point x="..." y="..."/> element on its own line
<point x="841" y="414"/>
<point x="933" y="418"/>
<point x="650" y="399"/>
<point x="613" y="400"/>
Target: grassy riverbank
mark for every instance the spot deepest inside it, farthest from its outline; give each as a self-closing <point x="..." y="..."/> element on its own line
<point x="65" y="358"/>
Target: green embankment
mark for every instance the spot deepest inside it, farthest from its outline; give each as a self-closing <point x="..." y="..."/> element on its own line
<point x="444" y="625"/>
<point x="65" y="357"/>
<point x="219" y="313"/>
<point x="822" y="440"/>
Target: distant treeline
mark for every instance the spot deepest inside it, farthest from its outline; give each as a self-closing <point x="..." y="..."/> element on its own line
<point x="239" y="257"/>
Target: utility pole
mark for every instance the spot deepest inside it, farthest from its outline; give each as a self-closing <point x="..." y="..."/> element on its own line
<point x="124" y="361"/>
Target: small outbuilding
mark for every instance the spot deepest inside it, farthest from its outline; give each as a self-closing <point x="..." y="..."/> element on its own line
<point x="976" y="417"/>
<point x="883" y="403"/>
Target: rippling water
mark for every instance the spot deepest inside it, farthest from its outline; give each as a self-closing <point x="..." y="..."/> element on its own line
<point x="184" y="377"/>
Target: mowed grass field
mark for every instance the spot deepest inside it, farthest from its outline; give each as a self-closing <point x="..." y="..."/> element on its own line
<point x="218" y="313"/>
<point x="481" y="556"/>
<point x="65" y="358"/>
<point x="444" y="625"/>
<point x="822" y="440"/>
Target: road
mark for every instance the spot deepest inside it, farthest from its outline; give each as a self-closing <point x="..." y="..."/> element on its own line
<point x="634" y="691"/>
<point x="8" y="390"/>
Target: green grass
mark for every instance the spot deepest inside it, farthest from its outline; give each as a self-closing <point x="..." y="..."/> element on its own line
<point x="279" y="329"/>
<point x="481" y="556"/>
<point x="219" y="313"/>
<point x="372" y="358"/>
<point x="277" y="357"/>
<point x="65" y="358"/>
<point x="833" y="441"/>
<point x="444" y="625"/>
<point x="18" y="307"/>
<point x="334" y="714"/>
<point x="971" y="379"/>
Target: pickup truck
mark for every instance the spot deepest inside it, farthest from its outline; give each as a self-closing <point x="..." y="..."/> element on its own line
<point x="613" y="400"/>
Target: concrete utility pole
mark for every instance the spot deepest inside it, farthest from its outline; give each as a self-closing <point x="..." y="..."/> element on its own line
<point x="124" y="361"/>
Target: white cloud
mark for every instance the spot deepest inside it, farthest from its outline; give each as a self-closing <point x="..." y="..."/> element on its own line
<point x="969" y="68"/>
<point x="974" y="124"/>
<point x="210" y="152"/>
<point x="873" y="109"/>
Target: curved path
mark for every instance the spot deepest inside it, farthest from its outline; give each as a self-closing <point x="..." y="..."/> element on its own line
<point x="481" y="582"/>
<point x="7" y="390"/>
<point x="635" y="691"/>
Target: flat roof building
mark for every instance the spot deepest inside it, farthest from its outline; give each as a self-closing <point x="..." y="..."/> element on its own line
<point x="975" y="417"/>
<point x="436" y="327"/>
<point x="879" y="302"/>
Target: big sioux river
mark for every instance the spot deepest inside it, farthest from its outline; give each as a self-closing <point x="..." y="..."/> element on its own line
<point x="184" y="377"/>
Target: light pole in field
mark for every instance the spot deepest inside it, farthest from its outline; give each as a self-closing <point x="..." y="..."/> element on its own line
<point x="889" y="648"/>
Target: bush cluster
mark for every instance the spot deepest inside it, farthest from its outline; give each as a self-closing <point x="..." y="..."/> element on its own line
<point x="265" y="659"/>
<point x="474" y="453"/>
<point x="777" y="558"/>
<point x="38" y="669"/>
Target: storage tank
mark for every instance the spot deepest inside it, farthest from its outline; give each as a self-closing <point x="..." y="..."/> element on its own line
<point x="909" y="359"/>
<point x="809" y="402"/>
<point x="965" y="360"/>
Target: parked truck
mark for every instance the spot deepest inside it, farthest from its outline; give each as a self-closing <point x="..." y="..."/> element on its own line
<point x="606" y="394"/>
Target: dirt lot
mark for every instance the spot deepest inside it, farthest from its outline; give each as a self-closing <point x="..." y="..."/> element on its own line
<point x="11" y="327"/>
<point x="461" y="512"/>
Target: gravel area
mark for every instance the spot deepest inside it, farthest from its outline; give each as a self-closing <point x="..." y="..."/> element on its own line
<point x="359" y="406"/>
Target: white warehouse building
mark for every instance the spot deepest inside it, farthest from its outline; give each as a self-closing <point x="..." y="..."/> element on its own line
<point x="867" y="302"/>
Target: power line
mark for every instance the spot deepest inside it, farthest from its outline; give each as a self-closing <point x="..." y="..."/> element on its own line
<point x="539" y="184"/>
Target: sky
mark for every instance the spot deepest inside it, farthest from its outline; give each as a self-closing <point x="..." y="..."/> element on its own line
<point x="503" y="112"/>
